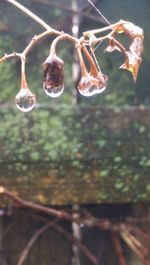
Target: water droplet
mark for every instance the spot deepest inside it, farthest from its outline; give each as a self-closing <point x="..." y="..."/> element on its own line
<point x="81" y="225"/>
<point x="53" y="92"/>
<point x="25" y="100"/>
<point x="89" y="85"/>
<point x="90" y="90"/>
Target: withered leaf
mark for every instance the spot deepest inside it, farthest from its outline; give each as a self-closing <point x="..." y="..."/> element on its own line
<point x="133" y="57"/>
<point x="130" y="29"/>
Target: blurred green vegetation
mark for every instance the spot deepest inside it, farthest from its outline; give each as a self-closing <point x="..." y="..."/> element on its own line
<point x="16" y="30"/>
<point x="63" y="155"/>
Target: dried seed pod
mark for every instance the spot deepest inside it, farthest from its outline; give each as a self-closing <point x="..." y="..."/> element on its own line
<point x="53" y="76"/>
<point x="90" y="85"/>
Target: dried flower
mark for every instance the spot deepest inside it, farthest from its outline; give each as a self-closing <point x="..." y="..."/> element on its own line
<point x="90" y="85"/>
<point x="133" y="57"/>
<point x="112" y="46"/>
<point x="130" y="29"/>
<point x="93" y="82"/>
<point x="53" y="76"/>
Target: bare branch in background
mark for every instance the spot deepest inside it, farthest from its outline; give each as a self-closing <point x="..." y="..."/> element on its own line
<point x="118" y="248"/>
<point x="124" y="229"/>
<point x="32" y="241"/>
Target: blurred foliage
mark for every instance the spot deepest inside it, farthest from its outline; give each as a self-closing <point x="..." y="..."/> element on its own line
<point x="16" y="30"/>
<point x="66" y="155"/>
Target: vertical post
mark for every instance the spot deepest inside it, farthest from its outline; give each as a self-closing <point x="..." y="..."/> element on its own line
<point x="75" y="33"/>
<point x="75" y="76"/>
<point x="2" y="258"/>
<point x="77" y="234"/>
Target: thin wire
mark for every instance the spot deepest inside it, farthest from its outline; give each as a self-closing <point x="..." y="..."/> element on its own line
<point x="97" y="45"/>
<point x="99" y="12"/>
<point x="94" y="57"/>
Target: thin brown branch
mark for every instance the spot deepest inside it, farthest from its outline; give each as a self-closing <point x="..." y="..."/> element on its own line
<point x="70" y="238"/>
<point x="7" y="56"/>
<point x="118" y="248"/>
<point x="36" y="207"/>
<point x="132" y="56"/>
<point x="28" y="247"/>
<point x="80" y="246"/>
<point x="30" y="14"/>
<point x="36" y="38"/>
<point x="63" y="36"/>
<point x="136" y="246"/>
<point x="96" y="31"/>
<point x="141" y="233"/>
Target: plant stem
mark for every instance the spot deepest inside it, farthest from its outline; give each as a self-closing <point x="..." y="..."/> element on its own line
<point x="36" y="38"/>
<point x="7" y="56"/>
<point x="82" y="64"/>
<point x="63" y="36"/>
<point x="110" y="27"/>
<point x="23" y="75"/>
<point x="93" y="66"/>
<point x="30" y="14"/>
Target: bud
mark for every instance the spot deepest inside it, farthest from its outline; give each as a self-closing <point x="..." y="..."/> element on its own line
<point x="53" y="76"/>
<point x="90" y="85"/>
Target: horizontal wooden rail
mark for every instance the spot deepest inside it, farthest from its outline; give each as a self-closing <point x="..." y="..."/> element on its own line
<point x="63" y="155"/>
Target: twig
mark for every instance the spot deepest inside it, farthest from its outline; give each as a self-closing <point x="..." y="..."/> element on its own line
<point x="136" y="246"/>
<point x="119" y="250"/>
<point x="81" y="247"/>
<point x="7" y="56"/>
<point x="36" y="207"/>
<point x="36" y="38"/>
<point x="50" y="30"/>
<point x="110" y="27"/>
<point x="30" y="14"/>
<point x="142" y="234"/>
<point x="28" y="247"/>
<point x="70" y="238"/>
<point x="2" y="236"/>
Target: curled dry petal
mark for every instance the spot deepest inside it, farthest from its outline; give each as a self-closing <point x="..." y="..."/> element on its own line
<point x="130" y="29"/>
<point x="112" y="46"/>
<point x="53" y="76"/>
<point x="133" y="57"/>
<point x="90" y="85"/>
